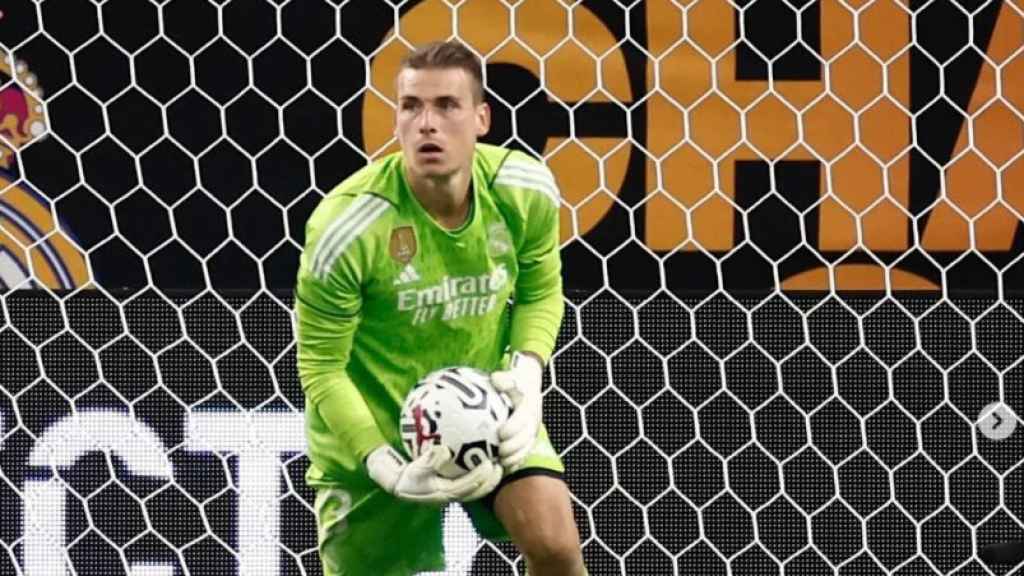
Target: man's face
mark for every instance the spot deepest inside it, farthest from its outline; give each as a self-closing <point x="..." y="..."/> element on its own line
<point x="438" y="121"/>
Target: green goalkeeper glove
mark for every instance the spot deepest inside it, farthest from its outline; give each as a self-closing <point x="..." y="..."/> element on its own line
<point x="419" y="480"/>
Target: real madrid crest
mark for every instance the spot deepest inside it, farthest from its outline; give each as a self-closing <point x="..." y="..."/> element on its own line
<point x="34" y="248"/>
<point x="499" y="241"/>
<point x="403" y="244"/>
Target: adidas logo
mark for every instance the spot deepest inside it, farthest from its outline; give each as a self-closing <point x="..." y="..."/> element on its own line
<point x="408" y="275"/>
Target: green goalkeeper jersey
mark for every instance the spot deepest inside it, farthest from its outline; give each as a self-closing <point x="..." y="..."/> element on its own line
<point x="385" y="295"/>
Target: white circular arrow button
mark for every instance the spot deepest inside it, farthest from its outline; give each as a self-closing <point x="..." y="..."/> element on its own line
<point x="997" y="421"/>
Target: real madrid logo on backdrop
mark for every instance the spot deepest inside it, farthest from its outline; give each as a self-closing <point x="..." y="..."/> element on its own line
<point x="34" y="250"/>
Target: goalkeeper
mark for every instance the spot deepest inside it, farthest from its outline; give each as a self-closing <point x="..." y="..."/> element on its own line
<point x="408" y="267"/>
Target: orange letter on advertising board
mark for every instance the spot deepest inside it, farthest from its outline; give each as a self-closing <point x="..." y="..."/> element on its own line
<point x="710" y="114"/>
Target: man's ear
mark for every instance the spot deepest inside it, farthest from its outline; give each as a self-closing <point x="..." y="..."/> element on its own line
<point x="483" y="118"/>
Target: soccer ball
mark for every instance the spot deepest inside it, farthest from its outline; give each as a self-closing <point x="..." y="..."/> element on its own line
<point x="459" y="408"/>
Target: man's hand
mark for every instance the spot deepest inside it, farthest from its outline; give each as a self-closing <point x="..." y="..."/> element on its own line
<point x="419" y="481"/>
<point x="522" y="382"/>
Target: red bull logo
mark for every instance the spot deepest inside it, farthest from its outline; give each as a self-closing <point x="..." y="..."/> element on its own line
<point x="35" y="250"/>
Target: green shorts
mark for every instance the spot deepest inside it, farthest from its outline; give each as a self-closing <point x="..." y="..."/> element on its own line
<point x="366" y="531"/>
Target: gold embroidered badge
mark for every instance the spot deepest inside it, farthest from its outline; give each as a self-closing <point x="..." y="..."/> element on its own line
<point x="403" y="244"/>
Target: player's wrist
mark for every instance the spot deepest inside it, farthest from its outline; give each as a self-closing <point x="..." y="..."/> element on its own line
<point x="529" y="365"/>
<point x="384" y="465"/>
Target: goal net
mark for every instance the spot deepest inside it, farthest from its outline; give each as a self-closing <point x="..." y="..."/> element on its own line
<point x="791" y="233"/>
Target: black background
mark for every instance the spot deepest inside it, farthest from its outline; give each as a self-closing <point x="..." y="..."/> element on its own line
<point x="687" y="438"/>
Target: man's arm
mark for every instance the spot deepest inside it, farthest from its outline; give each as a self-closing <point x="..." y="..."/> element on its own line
<point x="539" y="304"/>
<point x="327" y="318"/>
<point x="536" y="314"/>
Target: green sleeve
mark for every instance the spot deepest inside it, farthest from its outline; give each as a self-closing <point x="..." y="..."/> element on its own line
<point x="539" y="305"/>
<point x="327" y="315"/>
